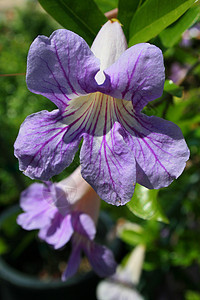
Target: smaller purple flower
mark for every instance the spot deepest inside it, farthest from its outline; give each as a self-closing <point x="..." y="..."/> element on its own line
<point x="61" y="215"/>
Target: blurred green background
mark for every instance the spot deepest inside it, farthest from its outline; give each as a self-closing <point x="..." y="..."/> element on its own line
<point x="172" y="263"/>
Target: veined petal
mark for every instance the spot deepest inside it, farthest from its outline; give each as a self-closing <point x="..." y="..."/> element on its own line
<point x="108" y="166"/>
<point x="159" y="148"/>
<point x="117" y="138"/>
<point x="58" y="232"/>
<point x="42" y="146"/>
<point x="106" y="163"/>
<point x="138" y="75"/>
<point x="38" y="211"/>
<point x="61" y="67"/>
<point x="47" y="143"/>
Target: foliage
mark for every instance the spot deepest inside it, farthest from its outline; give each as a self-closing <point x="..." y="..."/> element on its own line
<point x="71" y="15"/>
<point x="144" y="204"/>
<point x="154" y="16"/>
<point x="171" y="35"/>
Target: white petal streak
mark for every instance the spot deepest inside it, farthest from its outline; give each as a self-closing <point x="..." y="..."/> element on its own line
<point x="94" y="114"/>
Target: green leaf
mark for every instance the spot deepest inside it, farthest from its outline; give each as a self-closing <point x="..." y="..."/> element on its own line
<point x="144" y="204"/>
<point x="132" y="234"/>
<point x="173" y="89"/>
<point x="126" y="11"/>
<point x="81" y="17"/>
<point x="154" y="16"/>
<point x="170" y="36"/>
<point x="106" y="5"/>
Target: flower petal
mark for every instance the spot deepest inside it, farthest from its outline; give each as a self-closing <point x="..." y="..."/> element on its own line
<point x="47" y="142"/>
<point x="84" y="225"/>
<point x="159" y="148"/>
<point x="38" y="211"/>
<point x="101" y="259"/>
<point x="106" y="163"/>
<point x="33" y="195"/>
<point x="108" y="45"/>
<point x="58" y="197"/>
<point x="73" y="263"/>
<point x="61" y="67"/>
<point x="59" y="231"/>
<point x="138" y="75"/>
<point x="43" y="147"/>
<point x="111" y="290"/>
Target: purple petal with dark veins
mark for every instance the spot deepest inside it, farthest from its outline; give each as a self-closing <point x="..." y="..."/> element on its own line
<point x="108" y="166"/>
<point x="61" y="67"/>
<point x="101" y="259"/>
<point x="38" y="211"/>
<point x="106" y="163"/>
<point x="138" y="75"/>
<point x="58" y="232"/>
<point x="45" y="145"/>
<point x="159" y="149"/>
<point x="117" y="138"/>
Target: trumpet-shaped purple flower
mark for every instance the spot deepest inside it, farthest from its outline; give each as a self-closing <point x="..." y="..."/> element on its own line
<point x="100" y="93"/>
<point x="61" y="212"/>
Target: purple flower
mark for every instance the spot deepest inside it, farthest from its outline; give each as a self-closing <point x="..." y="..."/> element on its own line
<point x="61" y="212"/>
<point x="100" y="93"/>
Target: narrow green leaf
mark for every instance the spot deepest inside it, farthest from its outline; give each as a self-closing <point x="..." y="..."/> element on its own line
<point x="81" y="17"/>
<point x="170" y="36"/>
<point x="154" y="16"/>
<point x="144" y="204"/>
<point x="173" y="89"/>
<point x="126" y="11"/>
